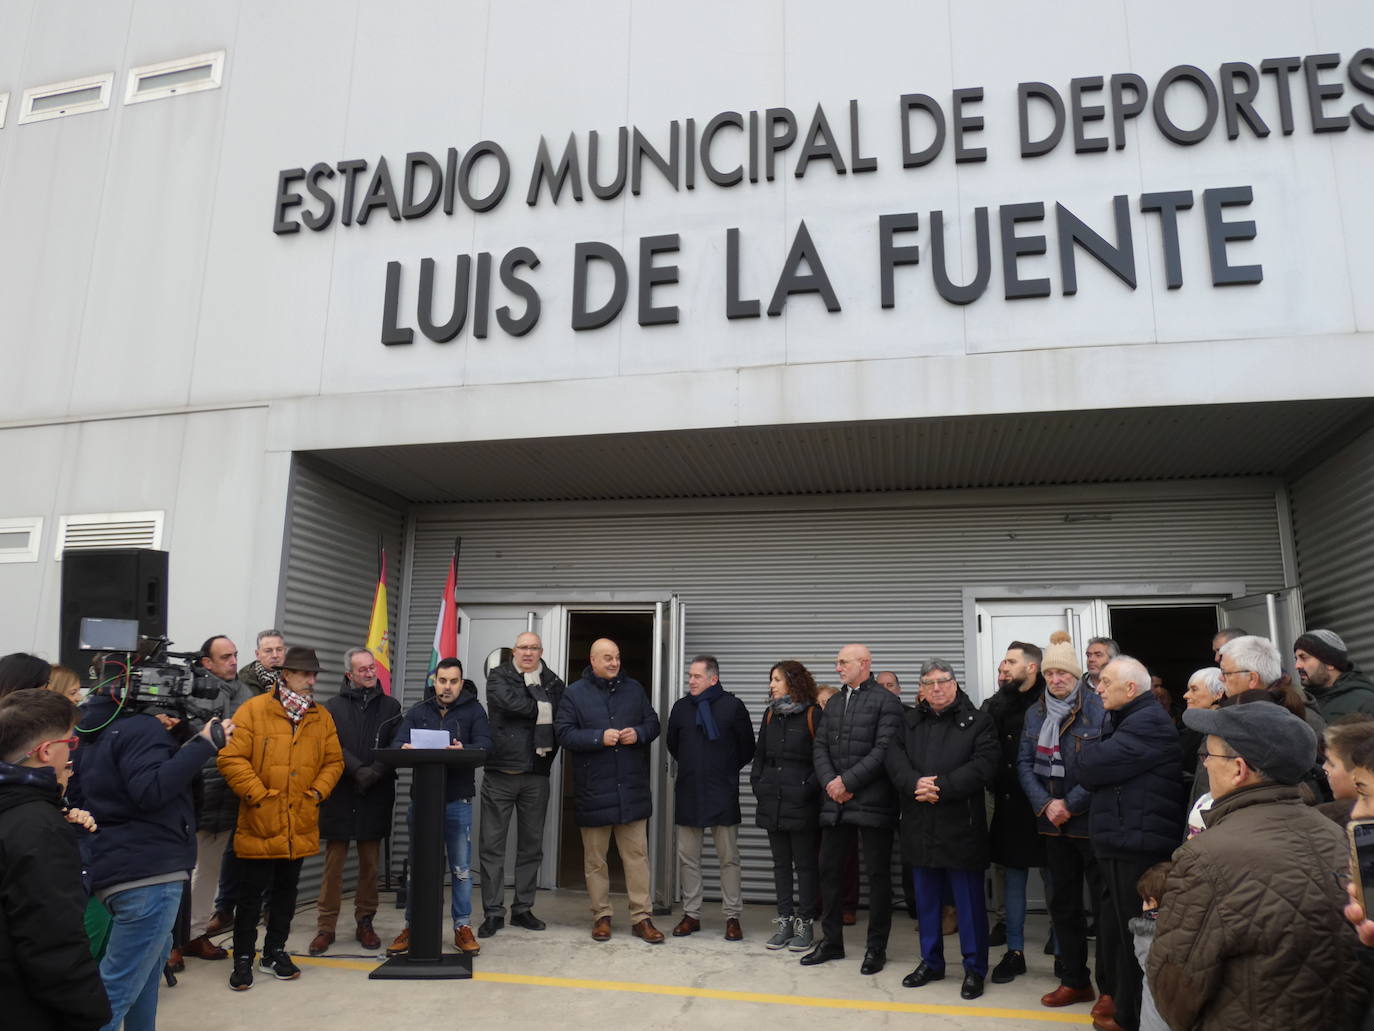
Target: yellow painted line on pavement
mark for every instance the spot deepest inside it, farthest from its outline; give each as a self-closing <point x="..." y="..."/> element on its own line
<point x="809" y="1001"/>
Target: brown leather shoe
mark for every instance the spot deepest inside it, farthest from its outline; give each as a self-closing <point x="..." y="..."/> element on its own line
<point x="367" y="935"/>
<point x="401" y="945"/>
<point x="733" y="931"/>
<point x="645" y="929"/>
<point x="465" y="941"/>
<point x="1107" y="1024"/>
<point x="687" y="925"/>
<point x="1104" y="1008"/>
<point x="1066" y="996"/>
<point x="319" y="944"/>
<point x="204" y="948"/>
<point x="601" y="930"/>
<point x="223" y="920"/>
<point x="174" y="961"/>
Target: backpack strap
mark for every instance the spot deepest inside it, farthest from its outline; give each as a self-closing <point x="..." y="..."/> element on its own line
<point x="811" y="721"/>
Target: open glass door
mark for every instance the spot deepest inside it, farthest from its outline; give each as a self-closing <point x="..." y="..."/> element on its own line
<point x="1001" y="621"/>
<point x="1276" y="615"/>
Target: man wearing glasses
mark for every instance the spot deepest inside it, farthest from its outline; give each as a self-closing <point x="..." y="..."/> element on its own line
<point x="359" y="807"/>
<point x="48" y="977"/>
<point x="522" y="697"/>
<point x="858" y="803"/>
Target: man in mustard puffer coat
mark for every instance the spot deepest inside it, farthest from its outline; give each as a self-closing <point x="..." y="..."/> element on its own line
<point x="283" y="761"/>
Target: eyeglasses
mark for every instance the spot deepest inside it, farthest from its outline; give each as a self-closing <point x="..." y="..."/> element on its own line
<point x="937" y="683"/>
<point x="1233" y="672"/>
<point x="71" y="743"/>
<point x="1203" y="755"/>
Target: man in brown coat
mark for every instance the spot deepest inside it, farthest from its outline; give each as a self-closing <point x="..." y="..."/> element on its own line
<point x="283" y="761"/>
<point x="1250" y="934"/>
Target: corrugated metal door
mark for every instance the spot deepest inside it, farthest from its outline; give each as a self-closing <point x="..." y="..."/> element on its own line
<point x="1332" y="507"/>
<point x="329" y="575"/>
<point x="797" y="578"/>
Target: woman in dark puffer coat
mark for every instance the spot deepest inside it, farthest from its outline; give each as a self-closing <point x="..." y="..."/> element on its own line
<point x="789" y="799"/>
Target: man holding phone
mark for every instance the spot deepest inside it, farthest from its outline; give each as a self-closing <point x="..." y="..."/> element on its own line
<point x="1255" y="900"/>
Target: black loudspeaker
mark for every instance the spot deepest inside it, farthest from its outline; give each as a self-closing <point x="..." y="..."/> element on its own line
<point x="110" y="583"/>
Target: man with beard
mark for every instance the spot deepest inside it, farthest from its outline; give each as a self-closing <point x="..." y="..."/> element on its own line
<point x="1015" y="843"/>
<point x="1100" y="651"/>
<point x="359" y="809"/>
<point x="1326" y="670"/>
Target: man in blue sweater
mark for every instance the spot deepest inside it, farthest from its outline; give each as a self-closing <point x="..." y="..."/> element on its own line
<point x="462" y="715"/>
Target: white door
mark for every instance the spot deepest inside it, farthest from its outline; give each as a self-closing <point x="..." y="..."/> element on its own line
<point x="485" y="635"/>
<point x="1003" y="620"/>
<point x="1276" y="615"/>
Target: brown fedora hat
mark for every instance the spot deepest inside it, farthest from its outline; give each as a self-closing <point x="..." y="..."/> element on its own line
<point x="302" y="660"/>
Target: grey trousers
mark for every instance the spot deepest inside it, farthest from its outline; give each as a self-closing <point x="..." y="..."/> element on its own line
<point x="689" y="842"/>
<point x="527" y="795"/>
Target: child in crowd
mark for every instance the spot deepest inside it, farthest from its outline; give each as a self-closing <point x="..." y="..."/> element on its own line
<point x="1151" y="886"/>
<point x="1342" y="737"/>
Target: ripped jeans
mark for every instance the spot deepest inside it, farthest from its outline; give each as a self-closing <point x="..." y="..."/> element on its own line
<point x="458" y="840"/>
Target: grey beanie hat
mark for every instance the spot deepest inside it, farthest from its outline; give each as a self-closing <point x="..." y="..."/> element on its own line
<point x="1265" y="735"/>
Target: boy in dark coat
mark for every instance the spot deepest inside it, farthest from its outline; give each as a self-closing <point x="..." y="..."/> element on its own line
<point x="711" y="737"/>
<point x="48" y="977"/>
<point x="942" y="762"/>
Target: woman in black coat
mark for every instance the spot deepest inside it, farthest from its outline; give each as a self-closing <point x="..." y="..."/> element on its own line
<point x="789" y="799"/>
<point x="941" y="763"/>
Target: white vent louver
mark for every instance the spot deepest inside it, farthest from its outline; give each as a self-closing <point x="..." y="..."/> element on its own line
<point x="173" y="78"/>
<point x="59" y="99"/>
<point x="109" y="530"/>
<point x="20" y="539"/>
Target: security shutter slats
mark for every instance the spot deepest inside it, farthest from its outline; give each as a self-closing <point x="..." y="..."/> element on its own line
<point x="762" y="585"/>
<point x="331" y="572"/>
<point x="1332" y="506"/>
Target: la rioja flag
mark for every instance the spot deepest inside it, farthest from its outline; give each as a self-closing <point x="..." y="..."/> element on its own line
<point x="446" y="630"/>
<point x="378" y="634"/>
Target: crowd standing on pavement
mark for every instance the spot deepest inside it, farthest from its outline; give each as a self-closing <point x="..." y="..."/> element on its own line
<point x="1209" y="862"/>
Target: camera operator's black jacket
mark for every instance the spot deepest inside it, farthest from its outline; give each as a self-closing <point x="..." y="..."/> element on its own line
<point x="353" y="812"/>
<point x="48" y="978"/>
<point x="136" y="781"/>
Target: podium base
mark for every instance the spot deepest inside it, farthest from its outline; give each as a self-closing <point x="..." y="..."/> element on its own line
<point x="453" y="966"/>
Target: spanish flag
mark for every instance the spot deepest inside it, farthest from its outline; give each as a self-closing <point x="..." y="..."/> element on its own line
<point x="378" y="636"/>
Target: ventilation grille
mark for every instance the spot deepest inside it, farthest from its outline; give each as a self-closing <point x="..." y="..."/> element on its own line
<point x="173" y="78"/>
<point x="20" y="539"/>
<point x="109" y="530"/>
<point x="59" y="99"/>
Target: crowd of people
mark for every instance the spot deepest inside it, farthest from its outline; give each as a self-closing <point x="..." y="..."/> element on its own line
<point x="1208" y="861"/>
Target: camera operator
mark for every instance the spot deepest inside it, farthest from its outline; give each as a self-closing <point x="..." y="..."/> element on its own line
<point x="134" y="773"/>
<point x="218" y="807"/>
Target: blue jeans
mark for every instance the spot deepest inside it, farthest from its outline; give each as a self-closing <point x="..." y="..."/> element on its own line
<point x="458" y="841"/>
<point x="1015" y="881"/>
<point x="140" y="938"/>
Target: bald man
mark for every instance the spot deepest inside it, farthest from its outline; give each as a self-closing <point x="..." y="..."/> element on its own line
<point x="858" y="802"/>
<point x="522" y="696"/>
<point x="606" y="720"/>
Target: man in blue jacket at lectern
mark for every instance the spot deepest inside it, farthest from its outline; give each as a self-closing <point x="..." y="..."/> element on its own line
<point x="606" y="721"/>
<point x="461" y="714"/>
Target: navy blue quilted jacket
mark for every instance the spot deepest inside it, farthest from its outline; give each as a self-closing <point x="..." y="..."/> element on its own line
<point x="611" y="785"/>
<point x="1134" y="771"/>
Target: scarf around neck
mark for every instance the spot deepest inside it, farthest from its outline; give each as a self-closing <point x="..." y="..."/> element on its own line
<point x="265" y="677"/>
<point x="706" y="719"/>
<point x="543" y="711"/>
<point x="294" y="704"/>
<point x="785" y="706"/>
<point x="1049" y="760"/>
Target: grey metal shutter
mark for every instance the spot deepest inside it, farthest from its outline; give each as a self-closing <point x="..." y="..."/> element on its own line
<point x="329" y="575"/>
<point x="790" y="578"/>
<point x="1333" y="510"/>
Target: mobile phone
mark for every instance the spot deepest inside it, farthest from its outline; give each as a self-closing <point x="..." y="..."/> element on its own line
<point x="1362" y="860"/>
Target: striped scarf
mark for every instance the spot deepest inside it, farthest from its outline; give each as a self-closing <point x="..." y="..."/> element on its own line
<point x="1049" y="760"/>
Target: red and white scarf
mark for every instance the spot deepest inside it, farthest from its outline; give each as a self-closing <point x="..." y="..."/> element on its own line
<point x="294" y="704"/>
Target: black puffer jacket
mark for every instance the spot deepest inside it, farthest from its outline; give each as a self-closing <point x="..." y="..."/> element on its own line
<point x="48" y="979"/>
<point x="851" y="742"/>
<point x="610" y="785"/>
<point x="1014" y="835"/>
<point x="959" y="747"/>
<point x="1134" y="771"/>
<point x="217" y="808"/>
<point x="512" y="712"/>
<point x="784" y="772"/>
<point x="349" y="813"/>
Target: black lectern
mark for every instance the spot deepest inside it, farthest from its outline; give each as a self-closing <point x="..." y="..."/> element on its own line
<point x="426" y="959"/>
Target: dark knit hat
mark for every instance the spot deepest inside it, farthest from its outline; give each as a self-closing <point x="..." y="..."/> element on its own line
<point x="1325" y="646"/>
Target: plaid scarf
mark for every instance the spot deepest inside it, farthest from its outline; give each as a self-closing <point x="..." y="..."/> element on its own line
<point x="265" y="677"/>
<point x="1049" y="761"/>
<point x="294" y="704"/>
